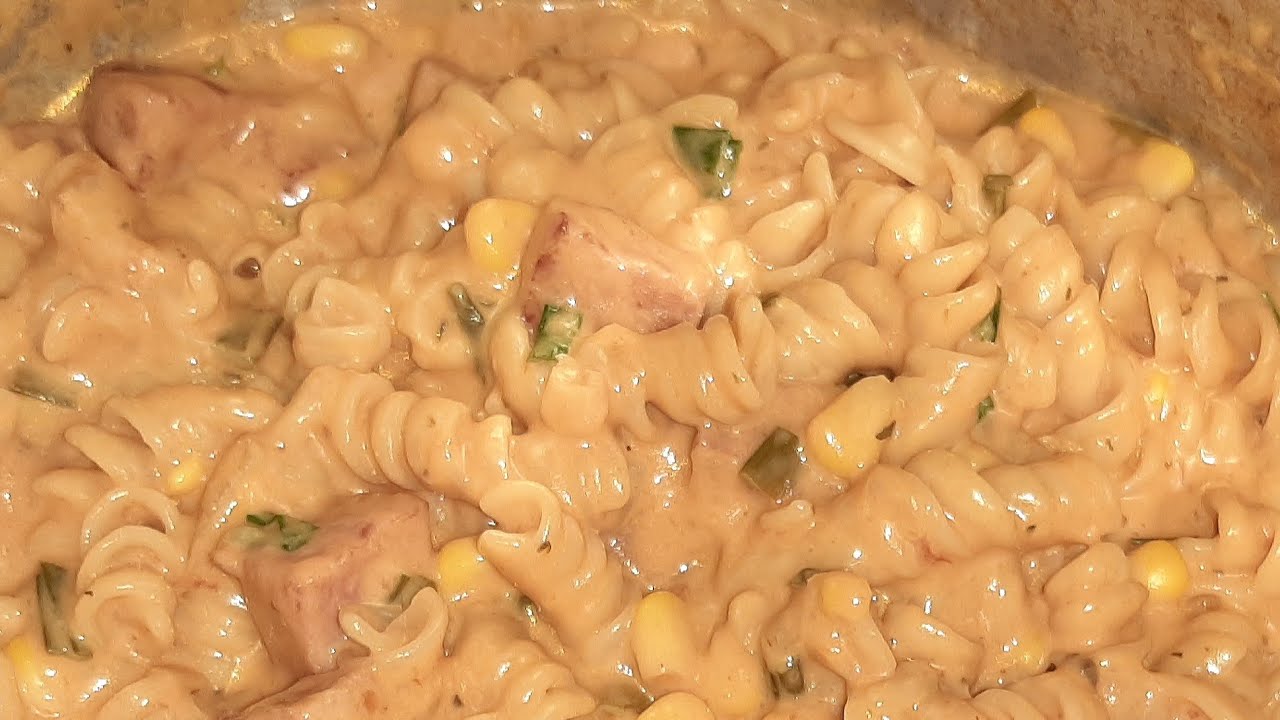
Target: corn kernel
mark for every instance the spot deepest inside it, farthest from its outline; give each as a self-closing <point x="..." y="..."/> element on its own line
<point x="331" y="183"/>
<point x="1164" y="170"/>
<point x="497" y="230"/>
<point x="843" y="596"/>
<point x="186" y="477"/>
<point x="24" y="656"/>
<point x="464" y="571"/>
<point x="662" y="638"/>
<point x="329" y="42"/>
<point x="1022" y="656"/>
<point x="1157" y="394"/>
<point x="844" y="437"/>
<point x="1046" y="127"/>
<point x="678" y="706"/>
<point x="1159" y="566"/>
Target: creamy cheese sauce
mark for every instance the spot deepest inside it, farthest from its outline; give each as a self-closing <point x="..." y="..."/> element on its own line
<point x="702" y="360"/>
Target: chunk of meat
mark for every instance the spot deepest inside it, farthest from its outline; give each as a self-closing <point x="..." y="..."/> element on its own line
<point x="159" y="128"/>
<point x="359" y="692"/>
<point x="140" y="122"/>
<point x="611" y="270"/>
<point x="357" y="554"/>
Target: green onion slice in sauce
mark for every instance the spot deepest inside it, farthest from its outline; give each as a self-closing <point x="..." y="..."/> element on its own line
<point x="996" y="189"/>
<point x="989" y="329"/>
<point x="289" y="533"/>
<point x="712" y="154"/>
<point x="556" y="331"/>
<point x="771" y="467"/>
<point x="53" y="591"/>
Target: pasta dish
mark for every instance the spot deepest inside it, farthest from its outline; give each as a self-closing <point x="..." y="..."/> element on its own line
<point x="672" y="361"/>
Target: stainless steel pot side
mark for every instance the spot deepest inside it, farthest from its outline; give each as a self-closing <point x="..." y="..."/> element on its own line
<point x="1204" y="71"/>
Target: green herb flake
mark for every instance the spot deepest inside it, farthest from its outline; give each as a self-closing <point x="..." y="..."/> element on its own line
<point x="407" y="588"/>
<point x="790" y="681"/>
<point x="856" y="376"/>
<point x="712" y="154"/>
<point x="771" y="467"/>
<point x="289" y="533"/>
<point x="468" y="314"/>
<point x="985" y="407"/>
<point x="53" y="588"/>
<point x="30" y="384"/>
<point x="556" y="332"/>
<point x="996" y="190"/>
<point x="989" y="329"/>
<point x="528" y="608"/>
<point x="1271" y="303"/>
<point x="249" y="334"/>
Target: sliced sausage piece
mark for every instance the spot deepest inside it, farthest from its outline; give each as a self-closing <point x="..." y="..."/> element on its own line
<point x="161" y="128"/>
<point x="611" y="270"/>
<point x="357" y="554"/>
<point x="140" y="121"/>
<point x="357" y="692"/>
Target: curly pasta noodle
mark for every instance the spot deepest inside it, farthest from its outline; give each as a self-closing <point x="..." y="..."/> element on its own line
<point x="721" y="361"/>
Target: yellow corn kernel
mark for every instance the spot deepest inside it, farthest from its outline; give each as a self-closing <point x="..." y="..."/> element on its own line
<point x="1159" y="566"/>
<point x="843" y="596"/>
<point x="844" y="436"/>
<point x="1164" y="170"/>
<point x="329" y="42"/>
<point x="1157" y="394"/>
<point x="331" y="183"/>
<point x="677" y="706"/>
<point x="1022" y="656"/>
<point x="24" y="656"/>
<point x="1046" y="127"/>
<point x="186" y="477"/>
<point x="497" y="230"/>
<point x="662" y="639"/>
<point x="464" y="571"/>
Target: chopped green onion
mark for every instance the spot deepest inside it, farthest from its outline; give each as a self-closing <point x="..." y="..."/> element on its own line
<point x="711" y="153"/>
<point x="985" y="407"/>
<point x="556" y="331"/>
<point x="52" y="588"/>
<point x="857" y="376"/>
<point x="407" y="587"/>
<point x="28" y="383"/>
<point x="996" y="188"/>
<point x="789" y="681"/>
<point x="989" y="329"/>
<point x="249" y="335"/>
<point x="289" y="532"/>
<point x="1272" y="304"/>
<point x="468" y="314"/>
<point x="1025" y="103"/>
<point x="772" y="465"/>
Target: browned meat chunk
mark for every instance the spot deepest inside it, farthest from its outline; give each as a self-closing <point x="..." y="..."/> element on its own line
<point x="141" y="122"/>
<point x="159" y="128"/>
<point x="357" y="554"/>
<point x="355" y="693"/>
<point x="610" y="269"/>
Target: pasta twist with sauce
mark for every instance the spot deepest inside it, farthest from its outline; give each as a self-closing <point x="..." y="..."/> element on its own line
<point x="565" y="568"/>
<point x="384" y="435"/>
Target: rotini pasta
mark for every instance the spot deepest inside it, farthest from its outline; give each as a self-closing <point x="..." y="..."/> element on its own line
<point x="698" y="361"/>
